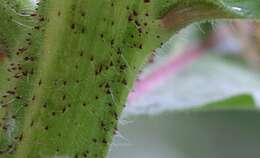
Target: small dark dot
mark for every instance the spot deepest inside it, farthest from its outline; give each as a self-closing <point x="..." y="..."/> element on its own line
<point x="135" y="13"/>
<point x="94" y="140"/>
<point x="72" y="26"/>
<point x="111" y="63"/>
<point x="45" y="105"/>
<point x="83" y="30"/>
<point x="37" y="27"/>
<point x="91" y="58"/>
<point x="81" y="53"/>
<point x="112" y="42"/>
<point x="18" y="97"/>
<point x="104" y="141"/>
<point x="64" y="109"/>
<point x="83" y="13"/>
<point x="40" y="82"/>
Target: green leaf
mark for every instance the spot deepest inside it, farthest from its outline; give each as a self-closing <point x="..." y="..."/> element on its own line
<point x="240" y="102"/>
<point x="211" y="134"/>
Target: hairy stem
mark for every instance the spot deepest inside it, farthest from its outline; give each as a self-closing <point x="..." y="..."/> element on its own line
<point x="69" y="83"/>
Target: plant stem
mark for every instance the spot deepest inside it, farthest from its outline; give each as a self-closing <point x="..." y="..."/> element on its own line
<point x="70" y="81"/>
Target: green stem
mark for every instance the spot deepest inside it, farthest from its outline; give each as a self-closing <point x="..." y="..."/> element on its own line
<point x="74" y="76"/>
<point x="14" y="24"/>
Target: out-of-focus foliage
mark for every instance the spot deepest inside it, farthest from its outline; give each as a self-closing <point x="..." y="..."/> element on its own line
<point x="219" y="92"/>
<point x="215" y="134"/>
<point x="223" y="71"/>
<point x="240" y="102"/>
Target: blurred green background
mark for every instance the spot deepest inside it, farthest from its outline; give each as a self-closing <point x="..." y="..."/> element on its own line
<point x="204" y="108"/>
<point x="225" y="134"/>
